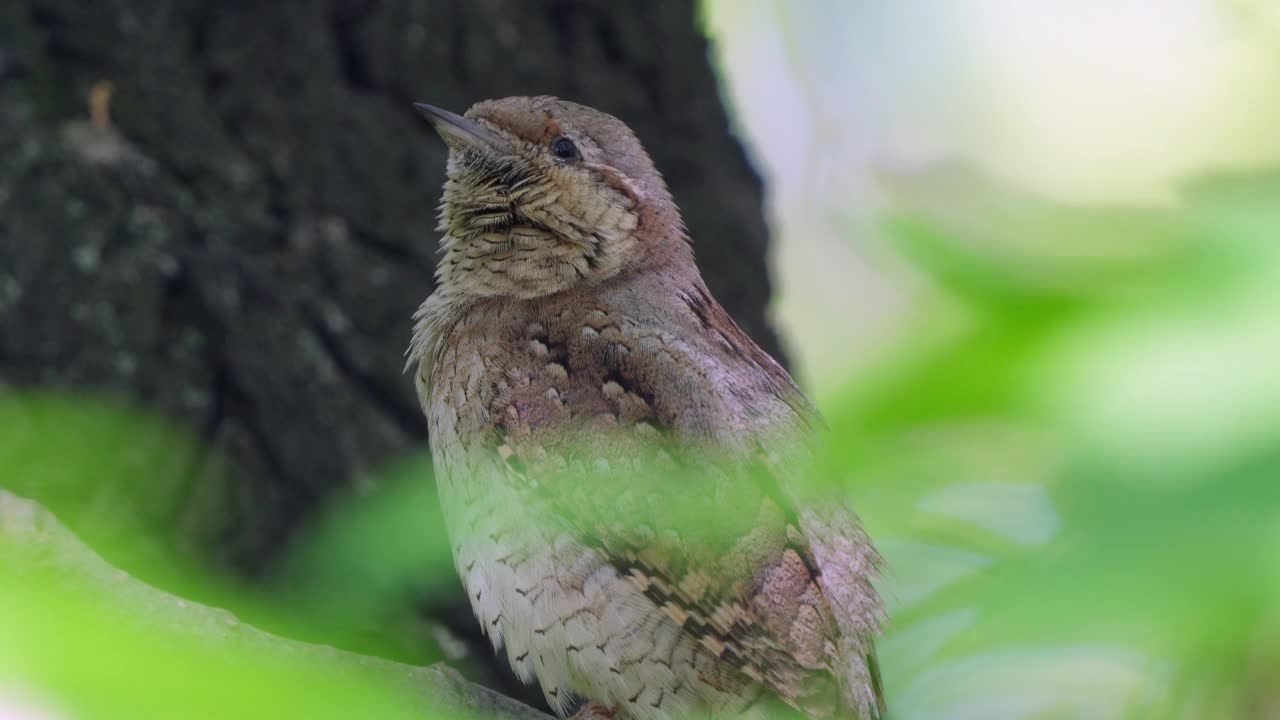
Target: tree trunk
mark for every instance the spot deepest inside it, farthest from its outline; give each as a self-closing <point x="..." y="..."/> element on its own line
<point x="225" y="211"/>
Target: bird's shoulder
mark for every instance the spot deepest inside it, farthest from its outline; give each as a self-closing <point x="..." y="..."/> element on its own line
<point x="640" y="349"/>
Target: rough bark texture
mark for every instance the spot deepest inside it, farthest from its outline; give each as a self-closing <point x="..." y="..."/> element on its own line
<point x="241" y="245"/>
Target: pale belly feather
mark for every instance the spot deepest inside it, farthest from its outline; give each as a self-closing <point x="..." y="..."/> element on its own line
<point x="566" y="617"/>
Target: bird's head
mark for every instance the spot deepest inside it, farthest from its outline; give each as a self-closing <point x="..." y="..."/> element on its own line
<point x="545" y="195"/>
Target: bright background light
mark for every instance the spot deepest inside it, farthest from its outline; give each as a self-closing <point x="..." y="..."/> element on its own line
<point x="1095" y="101"/>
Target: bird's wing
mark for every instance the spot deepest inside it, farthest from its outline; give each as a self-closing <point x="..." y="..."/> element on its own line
<point x="678" y="470"/>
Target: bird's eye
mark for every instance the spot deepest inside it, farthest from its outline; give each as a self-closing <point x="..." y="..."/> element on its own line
<point x="563" y="148"/>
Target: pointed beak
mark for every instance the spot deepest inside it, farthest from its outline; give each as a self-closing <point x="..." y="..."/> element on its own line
<point x="459" y="132"/>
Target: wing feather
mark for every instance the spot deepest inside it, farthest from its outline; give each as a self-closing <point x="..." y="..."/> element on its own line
<point x="699" y="513"/>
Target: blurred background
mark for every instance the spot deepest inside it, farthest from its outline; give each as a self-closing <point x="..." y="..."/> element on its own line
<point x="1114" y="103"/>
<point x="1025" y="255"/>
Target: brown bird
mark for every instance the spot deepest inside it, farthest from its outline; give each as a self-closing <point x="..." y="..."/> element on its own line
<point x="620" y="465"/>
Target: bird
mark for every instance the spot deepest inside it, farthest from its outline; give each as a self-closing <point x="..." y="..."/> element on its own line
<point x="619" y="465"/>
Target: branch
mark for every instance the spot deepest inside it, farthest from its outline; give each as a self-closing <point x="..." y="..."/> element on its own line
<point x="42" y="543"/>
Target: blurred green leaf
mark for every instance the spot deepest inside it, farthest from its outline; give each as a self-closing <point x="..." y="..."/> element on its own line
<point x="1121" y="363"/>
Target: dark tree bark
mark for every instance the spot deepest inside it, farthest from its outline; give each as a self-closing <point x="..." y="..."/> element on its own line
<point x="240" y="244"/>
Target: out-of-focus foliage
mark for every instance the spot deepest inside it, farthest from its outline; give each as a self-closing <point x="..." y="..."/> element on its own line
<point x="1071" y="459"/>
<point x="67" y="655"/>
<point x="75" y="642"/>
<point x="116" y="474"/>
<point x="1070" y="455"/>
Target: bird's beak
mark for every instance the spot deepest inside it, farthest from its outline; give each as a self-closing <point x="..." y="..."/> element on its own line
<point x="459" y="132"/>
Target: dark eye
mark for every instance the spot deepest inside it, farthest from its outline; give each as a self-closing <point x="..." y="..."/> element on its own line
<point x="564" y="148"/>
